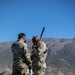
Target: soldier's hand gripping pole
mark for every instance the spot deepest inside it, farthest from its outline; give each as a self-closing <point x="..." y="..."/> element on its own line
<point x="42" y="32"/>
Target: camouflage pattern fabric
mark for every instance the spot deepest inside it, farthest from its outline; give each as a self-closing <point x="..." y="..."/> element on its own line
<point x="21" y="58"/>
<point x="39" y="54"/>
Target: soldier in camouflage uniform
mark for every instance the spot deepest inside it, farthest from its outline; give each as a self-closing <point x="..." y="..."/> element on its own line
<point x="21" y="56"/>
<point x="39" y="53"/>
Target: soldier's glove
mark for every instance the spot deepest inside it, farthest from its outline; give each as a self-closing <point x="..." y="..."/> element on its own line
<point x="32" y="57"/>
<point x="30" y="67"/>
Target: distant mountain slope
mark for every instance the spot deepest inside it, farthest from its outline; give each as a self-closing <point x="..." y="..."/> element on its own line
<point x="60" y="58"/>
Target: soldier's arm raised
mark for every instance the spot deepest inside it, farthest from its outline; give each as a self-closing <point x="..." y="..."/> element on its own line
<point x="42" y="49"/>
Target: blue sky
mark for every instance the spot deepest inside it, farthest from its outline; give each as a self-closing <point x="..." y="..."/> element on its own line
<point x="30" y="16"/>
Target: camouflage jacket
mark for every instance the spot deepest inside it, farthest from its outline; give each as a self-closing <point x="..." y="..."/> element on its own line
<point x="21" y="54"/>
<point x="39" y="54"/>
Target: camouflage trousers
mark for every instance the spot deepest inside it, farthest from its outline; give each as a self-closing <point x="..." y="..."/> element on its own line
<point x="38" y="71"/>
<point x="20" y="72"/>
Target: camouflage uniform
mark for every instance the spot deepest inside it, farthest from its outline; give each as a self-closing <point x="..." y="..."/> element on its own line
<point x="21" y="58"/>
<point x="39" y="54"/>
